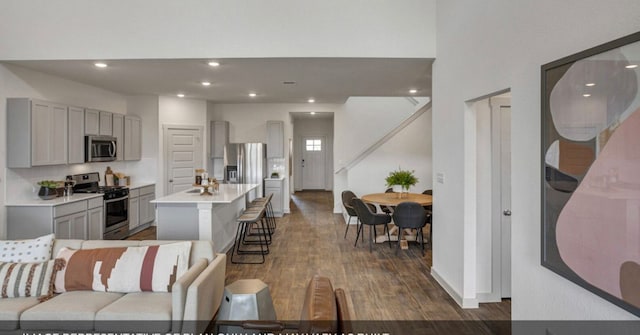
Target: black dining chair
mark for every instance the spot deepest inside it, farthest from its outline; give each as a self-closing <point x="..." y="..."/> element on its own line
<point x="429" y="219"/>
<point x="410" y="215"/>
<point x="368" y="217"/>
<point x="346" y="202"/>
<point x="384" y="208"/>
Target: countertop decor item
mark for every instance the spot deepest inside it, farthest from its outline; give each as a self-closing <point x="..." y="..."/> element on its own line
<point x="48" y="189"/>
<point x="275" y="175"/>
<point x="403" y="178"/>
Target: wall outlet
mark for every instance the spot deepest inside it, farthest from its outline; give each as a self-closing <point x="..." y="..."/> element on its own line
<point x="440" y="177"/>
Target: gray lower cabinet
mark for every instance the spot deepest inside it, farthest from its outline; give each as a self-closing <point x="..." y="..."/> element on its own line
<point x="134" y="212"/>
<point x="73" y="226"/>
<point x="76" y="220"/>
<point x="275" y="187"/>
<point x="95" y="222"/>
<point x="141" y="210"/>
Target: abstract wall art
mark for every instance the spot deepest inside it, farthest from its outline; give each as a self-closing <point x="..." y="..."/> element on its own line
<point x="591" y="170"/>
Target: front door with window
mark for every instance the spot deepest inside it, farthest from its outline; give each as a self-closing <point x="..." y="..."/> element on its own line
<point x="313" y="163"/>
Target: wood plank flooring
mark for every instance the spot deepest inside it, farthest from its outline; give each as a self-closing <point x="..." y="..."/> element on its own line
<point x="379" y="285"/>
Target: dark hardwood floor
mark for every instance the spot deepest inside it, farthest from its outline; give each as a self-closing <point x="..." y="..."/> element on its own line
<point x="379" y="285"/>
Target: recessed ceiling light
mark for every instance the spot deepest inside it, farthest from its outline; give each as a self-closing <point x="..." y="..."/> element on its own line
<point x="313" y="113"/>
<point x="100" y="64"/>
<point x="214" y="64"/>
<point x="180" y="95"/>
<point x="311" y="100"/>
<point x="413" y="91"/>
<point x="632" y="66"/>
<point x="590" y="84"/>
<point x="253" y="95"/>
<point x="206" y="83"/>
<point x="586" y="95"/>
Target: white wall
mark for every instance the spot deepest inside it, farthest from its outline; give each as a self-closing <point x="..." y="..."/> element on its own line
<point x="179" y="111"/>
<point x="358" y="124"/>
<point x="313" y="127"/>
<point x="120" y="29"/>
<point x="485" y="47"/>
<point x="410" y="149"/>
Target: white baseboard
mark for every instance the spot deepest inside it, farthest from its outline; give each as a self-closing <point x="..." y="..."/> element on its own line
<point x="488" y="297"/>
<point x="464" y="303"/>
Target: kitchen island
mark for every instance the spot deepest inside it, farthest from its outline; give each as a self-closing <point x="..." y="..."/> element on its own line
<point x="187" y="215"/>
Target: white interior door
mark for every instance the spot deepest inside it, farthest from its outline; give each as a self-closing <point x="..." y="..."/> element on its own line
<point x="505" y="195"/>
<point x="183" y="153"/>
<point x="313" y="163"/>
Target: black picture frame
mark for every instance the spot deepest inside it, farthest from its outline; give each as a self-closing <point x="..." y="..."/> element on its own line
<point x="560" y="189"/>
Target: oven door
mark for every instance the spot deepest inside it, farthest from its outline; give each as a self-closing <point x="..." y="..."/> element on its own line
<point x="116" y="218"/>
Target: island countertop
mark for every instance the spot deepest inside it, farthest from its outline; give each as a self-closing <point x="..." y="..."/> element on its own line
<point x="227" y="193"/>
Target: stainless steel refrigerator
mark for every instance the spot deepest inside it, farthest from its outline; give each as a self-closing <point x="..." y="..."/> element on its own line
<point x="246" y="163"/>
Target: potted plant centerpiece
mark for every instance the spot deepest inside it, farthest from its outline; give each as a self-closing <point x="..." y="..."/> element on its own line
<point x="401" y="180"/>
<point x="47" y="189"/>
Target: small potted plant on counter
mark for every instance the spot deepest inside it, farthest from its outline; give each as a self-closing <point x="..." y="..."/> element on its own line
<point x="401" y="180"/>
<point x="47" y="189"/>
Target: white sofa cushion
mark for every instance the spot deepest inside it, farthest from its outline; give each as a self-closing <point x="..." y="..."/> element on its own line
<point x="68" y="311"/>
<point x="145" y="311"/>
<point x="11" y="309"/>
<point x="23" y="251"/>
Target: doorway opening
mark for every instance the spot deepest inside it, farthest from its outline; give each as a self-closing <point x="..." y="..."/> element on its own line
<point x="492" y="115"/>
<point x="313" y="151"/>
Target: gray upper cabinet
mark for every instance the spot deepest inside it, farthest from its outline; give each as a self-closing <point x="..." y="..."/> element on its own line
<point x="76" y="135"/>
<point x="106" y="123"/>
<point x="118" y="133"/>
<point x="132" y="138"/>
<point x="91" y="122"/>
<point x="36" y="133"/>
<point x="275" y="139"/>
<point x="219" y="138"/>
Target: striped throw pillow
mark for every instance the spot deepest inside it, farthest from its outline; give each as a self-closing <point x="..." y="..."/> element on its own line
<point x="125" y="269"/>
<point x="29" y="279"/>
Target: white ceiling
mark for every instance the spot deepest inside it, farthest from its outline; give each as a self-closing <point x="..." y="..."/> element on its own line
<point x="327" y="80"/>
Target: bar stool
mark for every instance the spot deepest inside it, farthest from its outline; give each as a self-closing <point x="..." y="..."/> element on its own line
<point x="245" y="221"/>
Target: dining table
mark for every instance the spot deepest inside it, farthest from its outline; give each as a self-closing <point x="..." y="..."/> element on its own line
<point x="392" y="199"/>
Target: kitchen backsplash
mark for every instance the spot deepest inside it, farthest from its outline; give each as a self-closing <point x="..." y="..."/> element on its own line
<point x="22" y="183"/>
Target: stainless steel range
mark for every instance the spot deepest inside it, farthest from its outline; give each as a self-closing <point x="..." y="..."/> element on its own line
<point x="116" y="204"/>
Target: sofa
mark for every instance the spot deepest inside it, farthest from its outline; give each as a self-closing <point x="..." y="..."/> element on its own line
<point x="190" y="305"/>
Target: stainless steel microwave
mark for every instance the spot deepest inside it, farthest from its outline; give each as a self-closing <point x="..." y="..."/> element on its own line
<point x="100" y="148"/>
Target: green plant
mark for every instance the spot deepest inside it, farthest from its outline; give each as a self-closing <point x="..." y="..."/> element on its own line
<point x="404" y="178"/>
<point x="48" y="183"/>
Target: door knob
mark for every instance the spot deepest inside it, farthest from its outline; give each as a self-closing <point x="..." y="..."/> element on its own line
<point x="171" y="180"/>
<point x="507" y="212"/>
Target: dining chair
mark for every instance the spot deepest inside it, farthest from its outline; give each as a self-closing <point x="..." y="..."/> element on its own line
<point x="347" y="196"/>
<point x="368" y="217"/>
<point x="410" y="215"/>
<point x="429" y="219"/>
<point x="384" y="208"/>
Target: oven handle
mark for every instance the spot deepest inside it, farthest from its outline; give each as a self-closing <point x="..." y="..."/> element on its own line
<point x="116" y="199"/>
